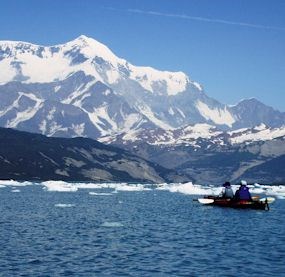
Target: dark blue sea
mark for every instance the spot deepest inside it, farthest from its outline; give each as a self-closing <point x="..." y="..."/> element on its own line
<point x="135" y="233"/>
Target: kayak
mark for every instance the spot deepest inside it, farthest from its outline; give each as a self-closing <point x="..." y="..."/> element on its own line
<point x="259" y="204"/>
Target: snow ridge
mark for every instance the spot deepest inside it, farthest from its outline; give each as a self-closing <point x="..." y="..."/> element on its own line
<point x="37" y="63"/>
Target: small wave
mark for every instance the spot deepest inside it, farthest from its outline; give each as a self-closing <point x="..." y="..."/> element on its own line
<point x="15" y="190"/>
<point x="100" y="193"/>
<point x="112" y="224"/>
<point x="64" y="205"/>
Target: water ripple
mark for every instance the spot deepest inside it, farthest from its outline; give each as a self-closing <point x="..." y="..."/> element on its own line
<point x="139" y="233"/>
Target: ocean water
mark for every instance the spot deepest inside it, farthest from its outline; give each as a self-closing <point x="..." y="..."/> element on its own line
<point x="62" y="229"/>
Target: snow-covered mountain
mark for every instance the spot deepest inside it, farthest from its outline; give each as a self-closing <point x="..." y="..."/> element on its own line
<point x="212" y="156"/>
<point x="193" y="135"/>
<point x="81" y="88"/>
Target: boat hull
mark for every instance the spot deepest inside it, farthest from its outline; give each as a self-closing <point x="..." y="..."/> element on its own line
<point x="239" y="204"/>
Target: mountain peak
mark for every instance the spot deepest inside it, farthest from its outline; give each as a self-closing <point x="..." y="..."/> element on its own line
<point x="91" y="48"/>
<point x="83" y="37"/>
<point x="84" y="40"/>
<point x="249" y="102"/>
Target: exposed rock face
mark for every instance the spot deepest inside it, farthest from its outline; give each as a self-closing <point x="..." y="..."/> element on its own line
<point x="26" y="156"/>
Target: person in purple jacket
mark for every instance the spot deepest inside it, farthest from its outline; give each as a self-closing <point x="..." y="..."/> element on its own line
<point x="243" y="192"/>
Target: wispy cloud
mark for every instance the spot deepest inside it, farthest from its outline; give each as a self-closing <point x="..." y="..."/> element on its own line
<point x="203" y="19"/>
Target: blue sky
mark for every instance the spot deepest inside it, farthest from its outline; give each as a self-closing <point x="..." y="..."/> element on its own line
<point x="234" y="48"/>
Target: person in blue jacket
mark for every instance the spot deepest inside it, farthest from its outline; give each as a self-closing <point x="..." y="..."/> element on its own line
<point x="243" y="192"/>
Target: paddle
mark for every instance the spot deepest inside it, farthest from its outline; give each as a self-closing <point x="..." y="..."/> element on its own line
<point x="267" y="199"/>
<point x="205" y="201"/>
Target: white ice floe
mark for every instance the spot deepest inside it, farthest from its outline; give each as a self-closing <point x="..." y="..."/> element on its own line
<point x="13" y="183"/>
<point x="278" y="191"/>
<point x="59" y="186"/>
<point x="65" y="186"/>
<point x="131" y="187"/>
<point x="115" y="186"/>
<point x="193" y="189"/>
<point x="91" y="185"/>
<point x="189" y="188"/>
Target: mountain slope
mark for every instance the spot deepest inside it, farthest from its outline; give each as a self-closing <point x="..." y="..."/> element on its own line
<point x="26" y="156"/>
<point x="269" y="171"/>
<point x="211" y="156"/>
<point x="252" y="112"/>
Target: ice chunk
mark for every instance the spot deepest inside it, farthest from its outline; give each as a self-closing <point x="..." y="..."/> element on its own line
<point x="131" y="187"/>
<point x="59" y="186"/>
<point x="190" y="188"/>
<point x="15" y="183"/>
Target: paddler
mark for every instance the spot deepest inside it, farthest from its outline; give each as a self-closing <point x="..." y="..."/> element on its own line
<point x="227" y="191"/>
<point x="243" y="192"/>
